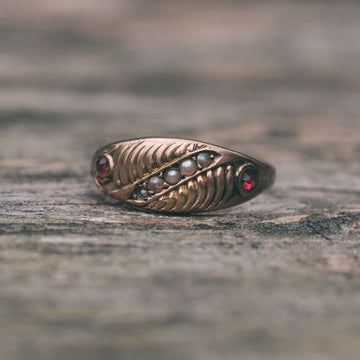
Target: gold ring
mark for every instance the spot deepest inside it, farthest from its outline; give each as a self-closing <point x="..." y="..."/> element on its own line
<point x="178" y="175"/>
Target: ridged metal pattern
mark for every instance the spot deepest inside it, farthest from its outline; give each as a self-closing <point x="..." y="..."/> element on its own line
<point x="141" y="158"/>
<point x="203" y="192"/>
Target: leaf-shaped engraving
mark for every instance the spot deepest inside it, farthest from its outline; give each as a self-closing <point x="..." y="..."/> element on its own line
<point x="204" y="192"/>
<point x="140" y="158"/>
<point x="179" y="175"/>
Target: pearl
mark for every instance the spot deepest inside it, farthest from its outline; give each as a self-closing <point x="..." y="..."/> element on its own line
<point x="155" y="184"/>
<point x="203" y="159"/>
<point x="172" y="176"/>
<point x="188" y="167"/>
<point x="143" y="193"/>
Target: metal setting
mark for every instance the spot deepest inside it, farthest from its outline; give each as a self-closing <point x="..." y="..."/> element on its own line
<point x="178" y="175"/>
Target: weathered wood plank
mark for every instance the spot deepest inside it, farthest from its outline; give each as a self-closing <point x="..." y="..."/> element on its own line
<point x="82" y="276"/>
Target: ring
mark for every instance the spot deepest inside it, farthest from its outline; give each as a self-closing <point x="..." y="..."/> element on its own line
<point x="178" y="175"/>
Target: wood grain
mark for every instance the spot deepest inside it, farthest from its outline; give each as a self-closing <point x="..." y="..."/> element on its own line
<point x="83" y="276"/>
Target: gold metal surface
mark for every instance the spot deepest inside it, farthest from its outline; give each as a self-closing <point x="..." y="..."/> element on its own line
<point x="216" y="186"/>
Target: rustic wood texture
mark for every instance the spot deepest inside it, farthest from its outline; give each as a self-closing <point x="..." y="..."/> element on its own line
<point x="85" y="277"/>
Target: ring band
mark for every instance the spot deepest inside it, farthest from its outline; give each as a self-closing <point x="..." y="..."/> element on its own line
<point x="178" y="175"/>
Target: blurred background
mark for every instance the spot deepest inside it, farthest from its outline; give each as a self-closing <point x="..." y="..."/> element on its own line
<point x="274" y="279"/>
<point x="255" y="75"/>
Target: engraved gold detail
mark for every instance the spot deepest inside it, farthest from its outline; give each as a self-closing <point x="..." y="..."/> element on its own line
<point x="178" y="176"/>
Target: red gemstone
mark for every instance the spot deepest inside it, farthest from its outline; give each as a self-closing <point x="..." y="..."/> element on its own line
<point x="248" y="179"/>
<point x="102" y="167"/>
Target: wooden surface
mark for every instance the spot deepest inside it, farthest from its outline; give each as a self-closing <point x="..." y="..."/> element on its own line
<point x="83" y="277"/>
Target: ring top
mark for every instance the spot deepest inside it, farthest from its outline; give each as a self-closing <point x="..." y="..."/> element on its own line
<point x="178" y="175"/>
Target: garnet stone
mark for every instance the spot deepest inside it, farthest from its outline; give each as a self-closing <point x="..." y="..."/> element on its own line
<point x="102" y="167"/>
<point x="249" y="179"/>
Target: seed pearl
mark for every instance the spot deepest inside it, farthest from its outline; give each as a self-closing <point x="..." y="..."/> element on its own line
<point x="155" y="184"/>
<point x="143" y="193"/>
<point x="203" y="159"/>
<point x="172" y="176"/>
<point x="188" y="167"/>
